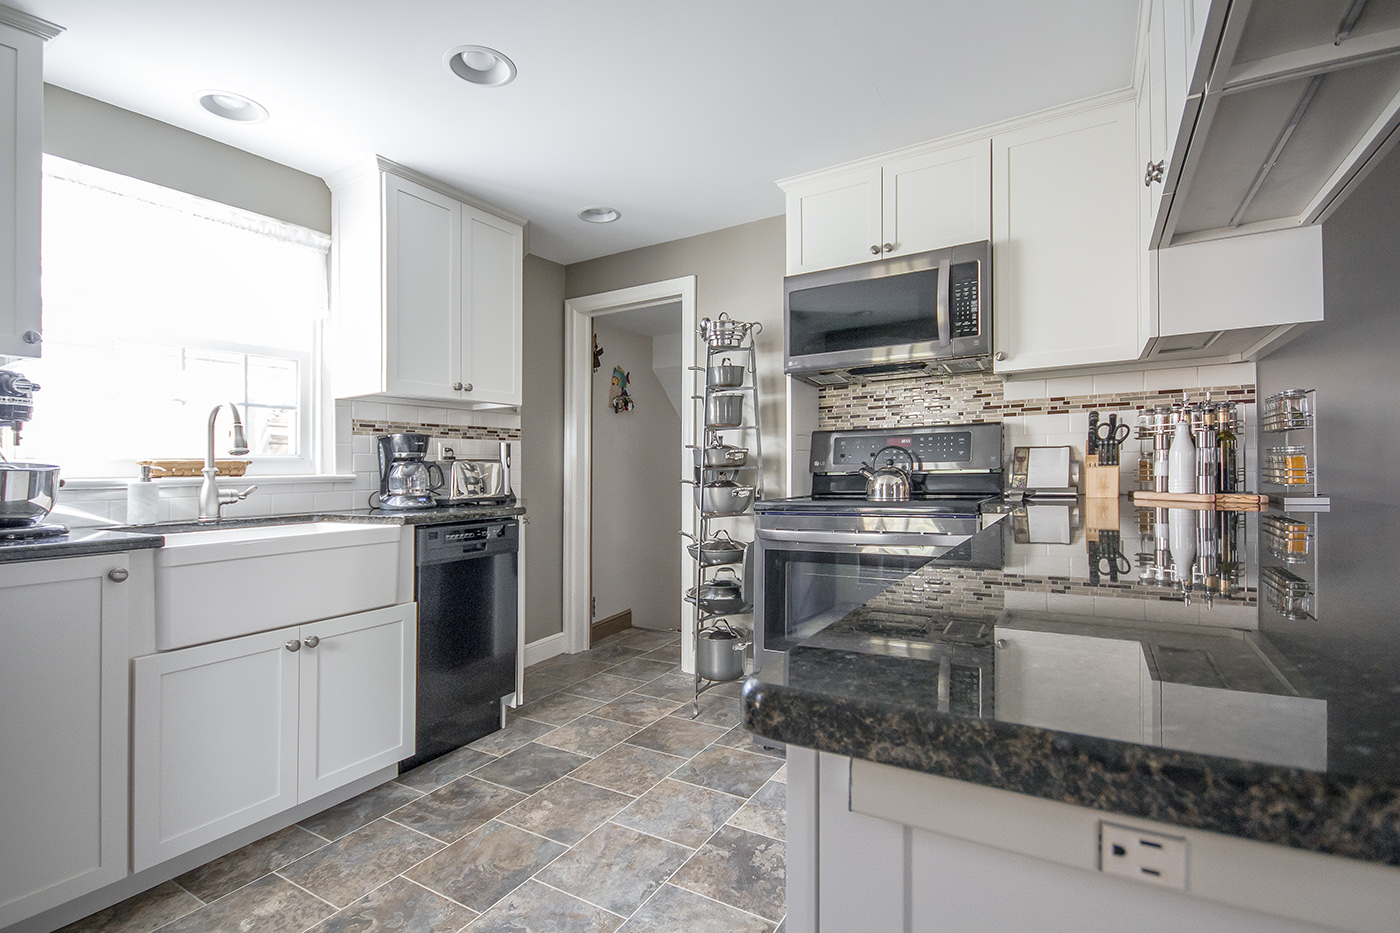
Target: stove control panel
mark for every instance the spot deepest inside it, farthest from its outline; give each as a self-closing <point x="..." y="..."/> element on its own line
<point x="934" y="448"/>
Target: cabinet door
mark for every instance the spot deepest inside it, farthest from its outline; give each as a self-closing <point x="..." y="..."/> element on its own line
<point x="21" y="116"/>
<point x="492" y="308"/>
<point x="422" y="276"/>
<point x="357" y="696"/>
<point x="215" y="745"/>
<point x="938" y="199"/>
<point x="63" y="731"/>
<point x="1065" y="261"/>
<point x="834" y="221"/>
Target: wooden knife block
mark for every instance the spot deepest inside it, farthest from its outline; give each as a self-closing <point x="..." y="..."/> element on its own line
<point x="1100" y="482"/>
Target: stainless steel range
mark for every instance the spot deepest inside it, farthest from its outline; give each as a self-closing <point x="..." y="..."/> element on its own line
<point x="820" y="556"/>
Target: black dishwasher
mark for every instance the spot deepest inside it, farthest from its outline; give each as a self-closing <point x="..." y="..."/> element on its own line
<point x="467" y="622"/>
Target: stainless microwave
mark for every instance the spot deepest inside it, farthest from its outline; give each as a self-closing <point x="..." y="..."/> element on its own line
<point x="926" y="313"/>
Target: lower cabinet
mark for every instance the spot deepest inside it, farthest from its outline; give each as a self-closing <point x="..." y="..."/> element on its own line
<point x="228" y="733"/>
<point x="63" y="731"/>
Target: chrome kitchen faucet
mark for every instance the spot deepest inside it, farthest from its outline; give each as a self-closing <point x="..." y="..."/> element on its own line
<point x="212" y="499"/>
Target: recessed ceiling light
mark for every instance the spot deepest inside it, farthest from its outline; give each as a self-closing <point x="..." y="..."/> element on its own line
<point x="480" y="65"/>
<point x="599" y="215"/>
<point x="232" y="106"/>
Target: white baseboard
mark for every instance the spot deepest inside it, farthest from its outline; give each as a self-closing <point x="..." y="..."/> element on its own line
<point x="544" y="648"/>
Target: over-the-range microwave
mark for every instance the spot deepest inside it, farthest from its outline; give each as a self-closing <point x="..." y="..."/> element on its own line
<point x="926" y="313"/>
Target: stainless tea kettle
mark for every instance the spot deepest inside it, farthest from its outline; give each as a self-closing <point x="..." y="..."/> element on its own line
<point x="889" y="483"/>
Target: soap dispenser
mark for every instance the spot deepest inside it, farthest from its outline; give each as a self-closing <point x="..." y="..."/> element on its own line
<point x="142" y="499"/>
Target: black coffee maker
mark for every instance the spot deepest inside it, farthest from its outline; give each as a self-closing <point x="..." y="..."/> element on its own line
<point x="405" y="479"/>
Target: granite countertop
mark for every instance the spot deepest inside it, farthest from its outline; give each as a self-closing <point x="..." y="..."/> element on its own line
<point x="1237" y="710"/>
<point x="134" y="537"/>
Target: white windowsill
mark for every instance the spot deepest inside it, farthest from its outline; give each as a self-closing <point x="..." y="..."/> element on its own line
<point x="278" y="479"/>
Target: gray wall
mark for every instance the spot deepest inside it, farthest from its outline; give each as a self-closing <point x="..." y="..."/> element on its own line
<point x="542" y="447"/>
<point x="89" y="131"/>
<point x="738" y="270"/>
<point x="636" y="511"/>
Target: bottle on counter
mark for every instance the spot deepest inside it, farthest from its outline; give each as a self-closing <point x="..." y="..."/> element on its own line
<point x="1181" y="460"/>
<point x="1229" y="449"/>
<point x="142" y="500"/>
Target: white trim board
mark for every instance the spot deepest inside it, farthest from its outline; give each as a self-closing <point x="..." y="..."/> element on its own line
<point x="542" y="649"/>
<point x="578" y="446"/>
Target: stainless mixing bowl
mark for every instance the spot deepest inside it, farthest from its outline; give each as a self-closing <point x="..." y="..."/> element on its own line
<point x="26" y="492"/>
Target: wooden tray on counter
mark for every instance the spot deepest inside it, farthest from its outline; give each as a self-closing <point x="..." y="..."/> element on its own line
<point x="164" y="469"/>
<point x="1220" y="502"/>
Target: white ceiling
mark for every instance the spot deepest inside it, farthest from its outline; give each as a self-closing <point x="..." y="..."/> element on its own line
<point x="679" y="113"/>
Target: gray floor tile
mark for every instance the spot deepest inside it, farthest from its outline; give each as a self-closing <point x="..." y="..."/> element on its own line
<point x="566" y="810"/>
<point x="359" y="811"/>
<point x="614" y="654"/>
<point x="538" y="684"/>
<point x="589" y="735"/>
<point x="730" y="770"/>
<point x="669" y="654"/>
<point x="636" y="709"/>
<point x="716" y="711"/>
<point x="141" y="913"/>
<point x="452" y="811"/>
<point x="628" y="769"/>
<point x="615" y="867"/>
<point x="642" y="670"/>
<point x="766" y="812"/>
<point x="604" y="686"/>
<point x="213" y="880"/>
<point x="676" y="736"/>
<point x="674" y="686"/>
<point x="742" y="869"/>
<point x="530" y="767"/>
<point x="740" y="737"/>
<point x="354" y="865"/>
<point x="515" y="734"/>
<point x="571" y="667"/>
<point x="536" y="907"/>
<point x="268" y="905"/>
<point x="648" y="638"/>
<point x="401" y="907"/>
<point x="558" y="708"/>
<point x="682" y="813"/>
<point x="481" y="868"/>
<point x="673" y="909"/>
<point x="444" y="768"/>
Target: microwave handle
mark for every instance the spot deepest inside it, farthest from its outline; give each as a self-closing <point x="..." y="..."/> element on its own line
<point x="945" y="320"/>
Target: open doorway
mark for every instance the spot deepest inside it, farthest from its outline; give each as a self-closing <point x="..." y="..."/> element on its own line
<point x="595" y="534"/>
<point x="638" y="383"/>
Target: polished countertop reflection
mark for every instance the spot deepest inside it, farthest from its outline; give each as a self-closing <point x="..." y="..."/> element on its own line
<point x="1252" y="693"/>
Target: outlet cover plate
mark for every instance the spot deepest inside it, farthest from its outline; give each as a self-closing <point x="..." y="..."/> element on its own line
<point x="1143" y="856"/>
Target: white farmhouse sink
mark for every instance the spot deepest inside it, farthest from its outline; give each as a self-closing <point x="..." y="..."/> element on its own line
<point x="218" y="583"/>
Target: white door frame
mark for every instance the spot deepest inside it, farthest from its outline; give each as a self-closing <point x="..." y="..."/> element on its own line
<point x="578" y="441"/>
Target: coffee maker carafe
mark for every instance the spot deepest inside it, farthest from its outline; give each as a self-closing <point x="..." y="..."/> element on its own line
<point x="405" y="480"/>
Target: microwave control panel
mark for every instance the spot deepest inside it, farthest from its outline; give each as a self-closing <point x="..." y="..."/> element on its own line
<point x="962" y="299"/>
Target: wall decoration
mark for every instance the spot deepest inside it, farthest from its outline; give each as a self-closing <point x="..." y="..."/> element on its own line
<point x="597" y="354"/>
<point x="618" y="397"/>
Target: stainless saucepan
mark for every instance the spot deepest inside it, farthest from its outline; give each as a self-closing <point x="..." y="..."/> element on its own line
<point x="26" y="492"/>
<point x="725" y="497"/>
<point x="722" y="594"/>
<point x="724" y="375"/>
<point x="720" y="456"/>
<point x="716" y="550"/>
<point x="724" y="410"/>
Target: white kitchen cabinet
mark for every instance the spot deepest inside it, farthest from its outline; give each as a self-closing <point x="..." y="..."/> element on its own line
<point x="22" y="40"/>
<point x="924" y="199"/>
<point x="1066" y="263"/>
<point x="228" y="733"/>
<point x="427" y="291"/>
<point x="63" y="730"/>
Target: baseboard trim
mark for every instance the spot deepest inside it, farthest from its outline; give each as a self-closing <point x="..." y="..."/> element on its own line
<point x="544" y="648"/>
<point x="617" y="622"/>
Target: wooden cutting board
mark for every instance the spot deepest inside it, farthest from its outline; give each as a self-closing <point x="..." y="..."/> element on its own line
<point x="1220" y="502"/>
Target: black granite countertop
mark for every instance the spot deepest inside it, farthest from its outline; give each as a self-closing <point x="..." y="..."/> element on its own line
<point x="78" y="542"/>
<point x="1252" y="709"/>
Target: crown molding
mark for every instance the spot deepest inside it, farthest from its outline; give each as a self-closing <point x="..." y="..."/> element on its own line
<point x="32" y="24"/>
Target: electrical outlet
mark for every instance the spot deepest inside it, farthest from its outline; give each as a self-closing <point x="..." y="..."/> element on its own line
<point x="1144" y="856"/>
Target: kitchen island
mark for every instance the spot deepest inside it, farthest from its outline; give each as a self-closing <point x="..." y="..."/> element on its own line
<point x="1002" y="714"/>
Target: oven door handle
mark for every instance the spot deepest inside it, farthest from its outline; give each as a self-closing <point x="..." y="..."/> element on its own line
<point x="865" y="538"/>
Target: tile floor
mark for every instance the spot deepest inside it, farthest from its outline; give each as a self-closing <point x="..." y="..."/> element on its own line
<point x="601" y="807"/>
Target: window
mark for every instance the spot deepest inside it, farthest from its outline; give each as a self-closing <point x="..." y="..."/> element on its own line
<point x="158" y="306"/>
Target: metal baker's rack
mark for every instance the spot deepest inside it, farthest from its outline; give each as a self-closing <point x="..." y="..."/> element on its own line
<point x="721" y="341"/>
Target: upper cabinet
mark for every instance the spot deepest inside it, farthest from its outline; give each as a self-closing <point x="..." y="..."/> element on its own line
<point x="22" y="40"/>
<point x="1271" y="113"/>
<point x="914" y="201"/>
<point x="426" y="291"/>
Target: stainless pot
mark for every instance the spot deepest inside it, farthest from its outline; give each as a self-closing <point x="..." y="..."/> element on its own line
<point x="723" y="332"/>
<point x="720" y="455"/>
<point x="888" y="483"/>
<point x="725" y="497"/>
<point x="724" y="375"/>
<point x="26" y="492"/>
<point x="721" y="595"/>
<point x="719" y="652"/>
<point x="717" y="550"/>
<point x="724" y="410"/>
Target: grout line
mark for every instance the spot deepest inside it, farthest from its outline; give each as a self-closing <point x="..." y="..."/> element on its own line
<point x="583" y="899"/>
<point x="445" y="842"/>
<point x="309" y="891"/>
<point x="715" y="900"/>
<point x="201" y="900"/>
<point x="439" y="894"/>
<point x="693" y="849"/>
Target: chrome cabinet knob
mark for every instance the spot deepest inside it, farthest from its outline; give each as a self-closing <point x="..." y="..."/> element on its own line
<point x="1000" y="356"/>
<point x="889" y="247"/>
<point x="467" y="387"/>
<point x="874" y="250"/>
<point x="293" y="645"/>
<point x="1001" y="642"/>
<point x="1155" y="172"/>
<point x="31" y="336"/>
<point x="118" y="575"/>
<point x="457" y="386"/>
<point x="311" y="641"/>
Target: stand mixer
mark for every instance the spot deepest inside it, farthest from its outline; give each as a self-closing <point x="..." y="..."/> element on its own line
<point x="27" y="490"/>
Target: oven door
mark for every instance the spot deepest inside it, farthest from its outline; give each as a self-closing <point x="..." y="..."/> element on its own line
<point x="807" y="578"/>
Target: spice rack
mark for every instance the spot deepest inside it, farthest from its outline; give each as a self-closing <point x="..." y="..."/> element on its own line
<point x="1290" y="470"/>
<point x="722" y="343"/>
<point x="1288" y="584"/>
